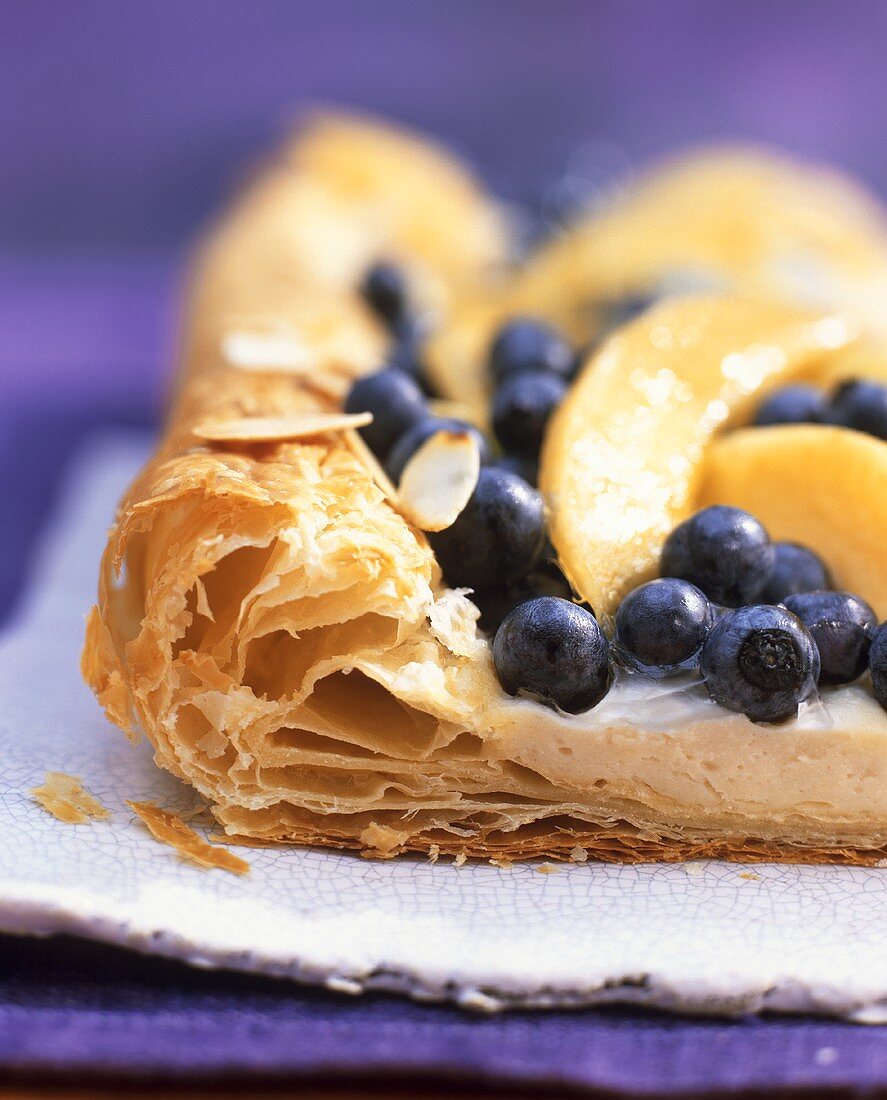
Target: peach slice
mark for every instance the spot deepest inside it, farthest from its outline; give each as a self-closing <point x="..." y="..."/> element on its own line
<point x="622" y="458"/>
<point x="743" y="220"/>
<point x="821" y="486"/>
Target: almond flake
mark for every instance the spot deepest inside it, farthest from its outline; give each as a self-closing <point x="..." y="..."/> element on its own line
<point x="170" y="829"/>
<point x="269" y="429"/>
<point x="64" y="797"/>
<point x="268" y="351"/>
<point x="439" y="479"/>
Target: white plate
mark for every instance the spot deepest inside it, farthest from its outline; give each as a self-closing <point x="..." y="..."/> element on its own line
<point x="700" y="936"/>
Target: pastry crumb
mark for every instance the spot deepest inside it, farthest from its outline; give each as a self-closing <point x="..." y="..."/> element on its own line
<point x="750" y="876"/>
<point x="452" y="619"/>
<point x="460" y="859"/>
<point x="502" y="864"/>
<point x="238" y="841"/>
<point x="694" y="868"/>
<point x="881" y="863"/>
<point x="434" y="853"/>
<point x="348" y="986"/>
<point x="478" y="1001"/>
<point x="64" y="797"/>
<point x="202" y="602"/>
<point x="547" y="869"/>
<point x="170" y="829"/>
<point x="579" y="854"/>
<point x="381" y="841"/>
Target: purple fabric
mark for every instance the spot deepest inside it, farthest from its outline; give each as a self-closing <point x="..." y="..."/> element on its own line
<point x="123" y="123"/>
<point x="73" y="1007"/>
<point x="81" y="344"/>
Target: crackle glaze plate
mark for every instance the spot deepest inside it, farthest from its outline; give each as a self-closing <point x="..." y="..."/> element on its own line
<point x="704" y="937"/>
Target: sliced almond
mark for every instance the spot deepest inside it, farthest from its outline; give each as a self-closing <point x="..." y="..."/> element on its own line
<point x="268" y="351"/>
<point x="305" y="351"/>
<point x="371" y="464"/>
<point x="268" y="429"/>
<point x="439" y="479"/>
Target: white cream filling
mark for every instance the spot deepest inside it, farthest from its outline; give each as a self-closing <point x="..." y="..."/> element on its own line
<point x="665" y="746"/>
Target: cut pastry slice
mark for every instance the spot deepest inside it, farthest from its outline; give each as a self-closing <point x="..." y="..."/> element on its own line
<point x="283" y="636"/>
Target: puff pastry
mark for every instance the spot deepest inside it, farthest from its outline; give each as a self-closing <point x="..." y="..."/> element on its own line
<point x="271" y="622"/>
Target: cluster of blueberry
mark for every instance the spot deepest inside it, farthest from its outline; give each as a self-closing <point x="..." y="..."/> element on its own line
<point x="784" y="632"/>
<point x="856" y="404"/>
<point x="498" y="545"/>
<point x="531" y="367"/>
<point x="397" y="394"/>
<point x="756" y="618"/>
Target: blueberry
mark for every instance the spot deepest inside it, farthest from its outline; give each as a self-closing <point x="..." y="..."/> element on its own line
<point x="553" y="651"/>
<point x="525" y="344"/>
<point x="842" y="626"/>
<point x="521" y="408"/>
<point x="406" y="352"/>
<point x="662" y="624"/>
<point x="760" y="661"/>
<point x="861" y="405"/>
<point x="407" y="445"/>
<point x="523" y="467"/>
<point x="499" y="535"/>
<point x="496" y="603"/>
<point x="791" y="405"/>
<point x="722" y="550"/>
<point x="385" y="292"/>
<point x="396" y="403"/>
<point x="878" y="664"/>
<point x="796" y="569"/>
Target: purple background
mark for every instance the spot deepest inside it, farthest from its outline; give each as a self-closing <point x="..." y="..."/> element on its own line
<point x="122" y="124"/>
